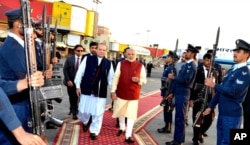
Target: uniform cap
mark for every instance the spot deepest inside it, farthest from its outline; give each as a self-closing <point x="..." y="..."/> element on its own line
<point x="198" y="48"/>
<point x="241" y="44"/>
<point x="172" y="54"/>
<point x="192" y="49"/>
<point x="14" y="14"/>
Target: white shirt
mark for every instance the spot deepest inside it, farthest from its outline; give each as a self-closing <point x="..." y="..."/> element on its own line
<point x="17" y="38"/>
<point x="205" y="71"/>
<point x="76" y="57"/>
<point x="239" y="65"/>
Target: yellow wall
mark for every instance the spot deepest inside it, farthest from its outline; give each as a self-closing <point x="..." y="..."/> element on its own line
<point x="122" y="47"/>
<point x="62" y="13"/>
<point x="165" y="51"/>
<point x="90" y="23"/>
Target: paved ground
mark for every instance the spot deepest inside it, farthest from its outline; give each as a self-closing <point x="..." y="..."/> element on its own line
<point x="61" y="110"/>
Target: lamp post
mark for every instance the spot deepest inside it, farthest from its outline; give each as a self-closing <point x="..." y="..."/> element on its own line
<point x="137" y="35"/>
<point x="148" y="31"/>
<point x="156" y="49"/>
<point x="97" y="2"/>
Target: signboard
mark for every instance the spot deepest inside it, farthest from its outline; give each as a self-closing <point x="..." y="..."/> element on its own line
<point x="114" y="46"/>
<point x="62" y="13"/>
<point x="73" y="39"/>
<point x="78" y="19"/>
<point x="140" y="50"/>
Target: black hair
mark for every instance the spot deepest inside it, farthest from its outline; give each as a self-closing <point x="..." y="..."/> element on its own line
<point x="11" y="24"/>
<point x="93" y="44"/>
<point x="78" y="45"/>
<point x="207" y="55"/>
<point x="210" y="51"/>
<point x="126" y="49"/>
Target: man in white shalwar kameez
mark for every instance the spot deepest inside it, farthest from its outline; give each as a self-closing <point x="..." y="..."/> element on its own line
<point x="92" y="79"/>
<point x="129" y="76"/>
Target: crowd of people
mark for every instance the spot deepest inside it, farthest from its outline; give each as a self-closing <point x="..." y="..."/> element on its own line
<point x="88" y="76"/>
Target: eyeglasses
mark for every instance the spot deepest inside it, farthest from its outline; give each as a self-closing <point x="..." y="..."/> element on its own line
<point x="79" y="50"/>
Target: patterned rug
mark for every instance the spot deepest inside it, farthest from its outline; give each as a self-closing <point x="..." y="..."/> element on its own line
<point x="72" y="133"/>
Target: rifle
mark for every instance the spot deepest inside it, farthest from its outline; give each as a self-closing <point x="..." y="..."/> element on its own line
<point x="169" y="81"/>
<point x="49" y="91"/>
<point x="55" y="42"/>
<point x="46" y="41"/>
<point x="205" y="91"/>
<point x="36" y="123"/>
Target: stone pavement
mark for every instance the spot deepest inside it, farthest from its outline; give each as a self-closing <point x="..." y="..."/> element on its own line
<point x="61" y="111"/>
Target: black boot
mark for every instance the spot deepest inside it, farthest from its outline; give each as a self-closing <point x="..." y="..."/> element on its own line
<point x="162" y="130"/>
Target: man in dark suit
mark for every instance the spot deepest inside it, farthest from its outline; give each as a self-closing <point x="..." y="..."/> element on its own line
<point x="69" y="70"/>
<point x="196" y="101"/>
<point x="217" y="68"/>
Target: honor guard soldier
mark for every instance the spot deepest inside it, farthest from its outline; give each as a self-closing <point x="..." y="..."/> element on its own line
<point x="230" y="93"/>
<point x="165" y="88"/>
<point x="13" y="67"/>
<point x="7" y="114"/>
<point x="181" y="93"/>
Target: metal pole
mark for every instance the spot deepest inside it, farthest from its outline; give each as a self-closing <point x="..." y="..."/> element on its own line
<point x="147" y="35"/>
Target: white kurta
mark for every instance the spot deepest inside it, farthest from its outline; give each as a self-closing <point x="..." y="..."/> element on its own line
<point x="90" y="104"/>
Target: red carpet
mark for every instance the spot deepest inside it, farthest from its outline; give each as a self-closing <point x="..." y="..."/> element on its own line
<point x="72" y="134"/>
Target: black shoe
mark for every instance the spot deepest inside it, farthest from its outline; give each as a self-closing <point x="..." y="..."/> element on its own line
<point x="129" y="140"/>
<point x="163" y="130"/>
<point x="93" y="136"/>
<point x="201" y="140"/>
<point x="50" y="126"/>
<point x="204" y="134"/>
<point x="75" y="117"/>
<point x="85" y="127"/>
<point x="120" y="132"/>
<point x="172" y="143"/>
<point x="195" y="141"/>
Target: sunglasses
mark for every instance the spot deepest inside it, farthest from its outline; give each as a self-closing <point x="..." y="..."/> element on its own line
<point x="79" y="50"/>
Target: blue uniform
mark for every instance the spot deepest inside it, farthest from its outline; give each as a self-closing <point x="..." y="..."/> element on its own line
<point x="164" y="91"/>
<point x="13" y="67"/>
<point x="7" y="113"/>
<point x="229" y="96"/>
<point x="181" y="90"/>
<point x="39" y="54"/>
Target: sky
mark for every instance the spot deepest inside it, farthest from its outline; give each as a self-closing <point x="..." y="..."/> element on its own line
<point x="145" y="22"/>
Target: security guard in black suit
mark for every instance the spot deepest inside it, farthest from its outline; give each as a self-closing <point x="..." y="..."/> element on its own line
<point x="197" y="100"/>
